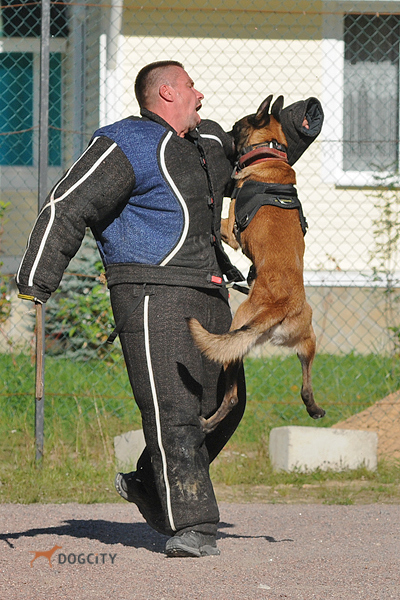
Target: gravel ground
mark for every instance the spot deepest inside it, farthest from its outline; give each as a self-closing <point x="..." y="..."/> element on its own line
<point x="268" y="552"/>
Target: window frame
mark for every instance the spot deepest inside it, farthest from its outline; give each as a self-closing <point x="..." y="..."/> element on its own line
<point x="333" y="51"/>
<point x="10" y="174"/>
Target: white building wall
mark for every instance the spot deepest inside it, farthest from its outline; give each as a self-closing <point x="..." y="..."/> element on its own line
<point x="235" y="76"/>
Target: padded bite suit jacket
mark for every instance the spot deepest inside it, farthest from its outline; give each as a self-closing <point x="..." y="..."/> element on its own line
<point x="155" y="215"/>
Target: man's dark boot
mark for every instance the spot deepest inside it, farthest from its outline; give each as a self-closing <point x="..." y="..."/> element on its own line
<point x="192" y="544"/>
<point x="130" y="487"/>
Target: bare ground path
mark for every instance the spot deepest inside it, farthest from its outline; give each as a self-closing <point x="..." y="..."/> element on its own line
<point x="268" y="552"/>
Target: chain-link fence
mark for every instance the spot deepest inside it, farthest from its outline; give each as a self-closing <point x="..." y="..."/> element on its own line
<point x="347" y="182"/>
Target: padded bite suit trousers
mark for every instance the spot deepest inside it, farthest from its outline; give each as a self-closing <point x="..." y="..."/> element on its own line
<point x="173" y="384"/>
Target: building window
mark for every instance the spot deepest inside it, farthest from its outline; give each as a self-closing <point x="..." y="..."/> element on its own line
<point x="55" y="118"/>
<point x="22" y="18"/>
<point x="371" y="93"/>
<point x="16" y="109"/>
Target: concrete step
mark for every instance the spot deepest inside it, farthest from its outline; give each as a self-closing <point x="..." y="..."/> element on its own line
<point x="309" y="448"/>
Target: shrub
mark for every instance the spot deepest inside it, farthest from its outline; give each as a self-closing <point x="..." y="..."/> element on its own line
<point x="78" y="315"/>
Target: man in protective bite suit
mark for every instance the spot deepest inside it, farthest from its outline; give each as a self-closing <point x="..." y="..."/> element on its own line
<point x="151" y="188"/>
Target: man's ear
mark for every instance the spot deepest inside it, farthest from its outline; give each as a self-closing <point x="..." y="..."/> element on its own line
<point x="166" y="92"/>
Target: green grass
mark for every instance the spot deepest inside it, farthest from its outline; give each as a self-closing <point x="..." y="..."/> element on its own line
<point x="87" y="404"/>
<point x="343" y="386"/>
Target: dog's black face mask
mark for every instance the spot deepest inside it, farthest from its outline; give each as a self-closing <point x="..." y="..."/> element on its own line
<point x="291" y="118"/>
<point x="299" y="137"/>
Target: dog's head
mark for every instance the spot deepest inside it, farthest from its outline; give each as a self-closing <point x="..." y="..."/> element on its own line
<point x="262" y="127"/>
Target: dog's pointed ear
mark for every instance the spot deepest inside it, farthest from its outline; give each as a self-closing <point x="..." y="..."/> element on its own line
<point x="276" y="108"/>
<point x="261" y="118"/>
<point x="264" y="106"/>
<point x="262" y="115"/>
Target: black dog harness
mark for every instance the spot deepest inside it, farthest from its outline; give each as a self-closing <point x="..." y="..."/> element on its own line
<point x="254" y="194"/>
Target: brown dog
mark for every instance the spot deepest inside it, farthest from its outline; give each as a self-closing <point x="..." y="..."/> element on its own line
<point x="272" y="237"/>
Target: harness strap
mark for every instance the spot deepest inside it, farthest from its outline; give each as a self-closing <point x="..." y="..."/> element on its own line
<point x="254" y="194"/>
<point x="241" y="288"/>
<point x="126" y="316"/>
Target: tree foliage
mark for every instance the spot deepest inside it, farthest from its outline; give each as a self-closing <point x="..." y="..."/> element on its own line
<point x="385" y="255"/>
<point x="78" y="315"/>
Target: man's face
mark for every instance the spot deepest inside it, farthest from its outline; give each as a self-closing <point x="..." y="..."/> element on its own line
<point x="187" y="101"/>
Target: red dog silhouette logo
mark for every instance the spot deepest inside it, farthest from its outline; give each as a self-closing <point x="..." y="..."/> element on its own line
<point x="47" y="554"/>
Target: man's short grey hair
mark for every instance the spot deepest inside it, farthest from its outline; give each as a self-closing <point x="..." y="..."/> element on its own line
<point x="151" y="76"/>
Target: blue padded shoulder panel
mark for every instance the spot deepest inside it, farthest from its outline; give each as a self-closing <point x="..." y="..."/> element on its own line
<point x="152" y="222"/>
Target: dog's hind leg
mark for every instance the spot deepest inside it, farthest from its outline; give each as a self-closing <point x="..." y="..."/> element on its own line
<point x="230" y="398"/>
<point x="231" y="369"/>
<point x="306" y="352"/>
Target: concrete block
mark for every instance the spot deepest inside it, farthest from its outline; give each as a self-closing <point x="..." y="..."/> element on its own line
<point x="128" y="447"/>
<point x="310" y="448"/>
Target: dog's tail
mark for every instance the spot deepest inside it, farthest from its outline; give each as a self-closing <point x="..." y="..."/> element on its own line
<point x="225" y="347"/>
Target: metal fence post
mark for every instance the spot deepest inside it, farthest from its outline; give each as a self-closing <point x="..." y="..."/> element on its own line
<point x="39" y="387"/>
<point x="42" y="192"/>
